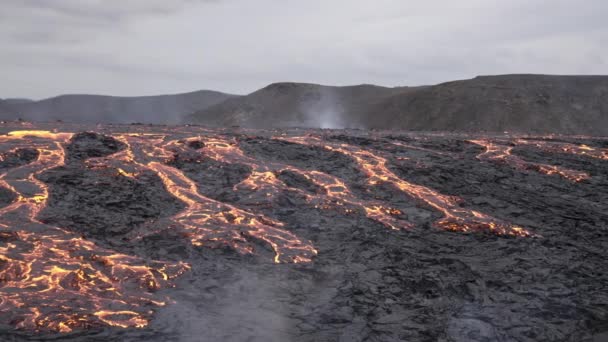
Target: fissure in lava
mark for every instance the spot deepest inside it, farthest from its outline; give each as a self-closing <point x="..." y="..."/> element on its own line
<point x="53" y="279"/>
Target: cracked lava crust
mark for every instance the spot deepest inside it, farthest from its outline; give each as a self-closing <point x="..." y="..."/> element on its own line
<point x="185" y="233"/>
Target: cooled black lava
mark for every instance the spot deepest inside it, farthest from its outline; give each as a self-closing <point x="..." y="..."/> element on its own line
<point x="185" y="233"/>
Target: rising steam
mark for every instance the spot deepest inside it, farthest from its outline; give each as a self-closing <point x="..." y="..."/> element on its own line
<point x="324" y="110"/>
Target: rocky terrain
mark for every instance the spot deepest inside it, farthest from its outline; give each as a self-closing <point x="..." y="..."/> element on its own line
<point x="5" y="110"/>
<point x="162" y="109"/>
<point x="514" y="103"/>
<point x="154" y="233"/>
<point x="297" y="105"/>
<point x="15" y="101"/>
<point x="530" y="104"/>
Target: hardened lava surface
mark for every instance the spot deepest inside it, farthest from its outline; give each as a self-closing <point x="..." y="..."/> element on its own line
<point x="159" y="233"/>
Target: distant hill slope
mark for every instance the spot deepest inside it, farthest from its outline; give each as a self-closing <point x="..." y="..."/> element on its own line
<point x="167" y="109"/>
<point x="16" y="101"/>
<point x="297" y="104"/>
<point x="518" y="103"/>
<point x="5" y="110"/>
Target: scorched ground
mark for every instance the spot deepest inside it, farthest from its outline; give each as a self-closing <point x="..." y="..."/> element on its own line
<point x="158" y="233"/>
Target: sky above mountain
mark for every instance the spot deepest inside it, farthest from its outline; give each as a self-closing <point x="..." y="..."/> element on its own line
<point x="145" y="47"/>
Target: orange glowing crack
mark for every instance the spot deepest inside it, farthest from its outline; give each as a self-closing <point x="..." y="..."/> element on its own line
<point x="501" y="153"/>
<point x="53" y="280"/>
<point x="414" y="147"/>
<point x="562" y="147"/>
<point x="335" y="194"/>
<point x="122" y="319"/>
<point x="456" y="218"/>
<point x="207" y="220"/>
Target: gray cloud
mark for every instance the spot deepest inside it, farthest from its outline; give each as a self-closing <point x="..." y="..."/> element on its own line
<point x="135" y="47"/>
<point x="102" y="10"/>
<point x="69" y="21"/>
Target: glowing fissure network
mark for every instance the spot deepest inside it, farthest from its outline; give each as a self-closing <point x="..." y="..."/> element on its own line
<point x="563" y="147"/>
<point x="501" y="153"/>
<point x="456" y="218"/>
<point x="53" y="280"/>
<point x="334" y="194"/>
<point x="206" y="222"/>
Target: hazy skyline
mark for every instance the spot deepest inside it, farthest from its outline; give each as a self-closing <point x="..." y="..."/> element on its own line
<point x="147" y="47"/>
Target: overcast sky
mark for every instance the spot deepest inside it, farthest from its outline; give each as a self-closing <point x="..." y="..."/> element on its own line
<point x="144" y="47"/>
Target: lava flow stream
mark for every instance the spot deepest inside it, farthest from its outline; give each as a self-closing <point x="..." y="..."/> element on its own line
<point x="205" y="222"/>
<point x="333" y="193"/>
<point x="502" y="154"/>
<point x="455" y="217"/>
<point x="52" y="279"/>
<point x="562" y="147"/>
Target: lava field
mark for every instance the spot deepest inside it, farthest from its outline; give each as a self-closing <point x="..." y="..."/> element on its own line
<point x="160" y="233"/>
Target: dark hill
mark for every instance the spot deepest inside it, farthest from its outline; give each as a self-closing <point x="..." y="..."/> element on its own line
<point x="5" y="109"/>
<point x="297" y="104"/>
<point x="16" y="101"/>
<point x="167" y="109"/>
<point x="519" y="103"/>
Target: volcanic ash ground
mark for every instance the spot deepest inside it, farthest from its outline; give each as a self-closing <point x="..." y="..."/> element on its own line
<point x="157" y="233"/>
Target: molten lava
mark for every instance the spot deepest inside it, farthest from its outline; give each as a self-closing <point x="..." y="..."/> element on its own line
<point x="455" y="217"/>
<point x="563" y="147"/>
<point x="205" y="222"/>
<point x="51" y="279"/>
<point x="333" y="194"/>
<point x="501" y="153"/>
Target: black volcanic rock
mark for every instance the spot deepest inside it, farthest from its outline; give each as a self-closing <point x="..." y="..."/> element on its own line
<point x="101" y="204"/>
<point x="195" y="144"/>
<point x="6" y="197"/>
<point x="10" y="160"/>
<point x="18" y="157"/>
<point x="295" y="180"/>
<point x="162" y="109"/>
<point x="368" y="282"/>
<point x="305" y="157"/>
<point x="214" y="178"/>
<point x="92" y="145"/>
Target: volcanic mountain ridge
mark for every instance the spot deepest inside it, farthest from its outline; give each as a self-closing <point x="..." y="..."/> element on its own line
<point x="514" y="103"/>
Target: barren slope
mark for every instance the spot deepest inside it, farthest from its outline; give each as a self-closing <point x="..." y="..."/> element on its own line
<point x="519" y="103"/>
<point x="296" y="105"/>
<point x="164" y="109"/>
<point x="5" y="110"/>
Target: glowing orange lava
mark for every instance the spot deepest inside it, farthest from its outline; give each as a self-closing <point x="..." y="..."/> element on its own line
<point x="557" y="147"/>
<point x="456" y="218"/>
<point x="334" y="193"/>
<point x="53" y="280"/>
<point x="205" y="222"/>
<point x="502" y="153"/>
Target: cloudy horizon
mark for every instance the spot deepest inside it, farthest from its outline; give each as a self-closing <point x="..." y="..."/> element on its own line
<point x="149" y="47"/>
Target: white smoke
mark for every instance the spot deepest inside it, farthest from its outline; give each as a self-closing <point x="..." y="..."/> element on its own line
<point x="244" y="309"/>
<point x="324" y="110"/>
